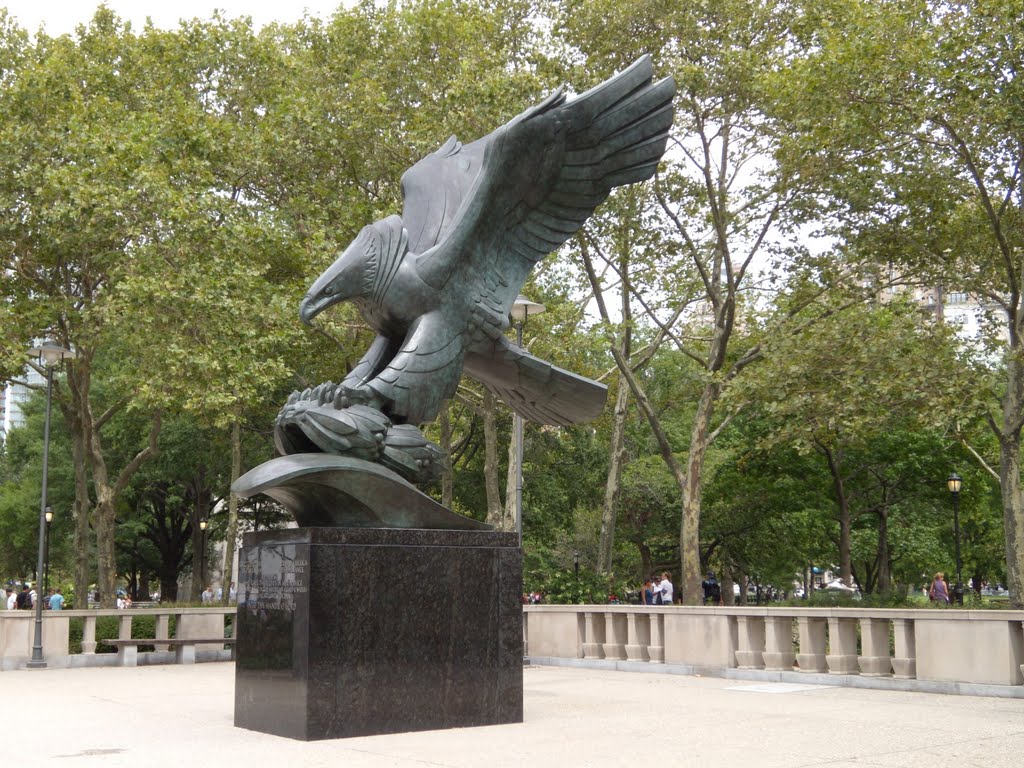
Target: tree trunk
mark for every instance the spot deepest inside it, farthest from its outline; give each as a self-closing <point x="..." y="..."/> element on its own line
<point x="232" y="532"/>
<point x="845" y="564"/>
<point x="689" y="527"/>
<point x="1013" y="516"/>
<point x="495" y="513"/>
<point x="168" y="587"/>
<point x="728" y="597"/>
<point x="447" y="471"/>
<point x="104" y="514"/>
<point x="646" y="566"/>
<point x="613" y="484"/>
<point x="80" y="513"/>
<point x="884" y="576"/>
<point x="106" y="492"/>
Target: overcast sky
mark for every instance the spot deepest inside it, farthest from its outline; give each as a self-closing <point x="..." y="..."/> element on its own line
<point x="62" y="16"/>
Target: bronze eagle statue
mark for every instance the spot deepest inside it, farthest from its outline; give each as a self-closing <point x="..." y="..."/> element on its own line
<point x="437" y="283"/>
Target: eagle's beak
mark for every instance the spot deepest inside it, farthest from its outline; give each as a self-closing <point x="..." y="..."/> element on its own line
<point x="340" y="281"/>
<point x="308" y="309"/>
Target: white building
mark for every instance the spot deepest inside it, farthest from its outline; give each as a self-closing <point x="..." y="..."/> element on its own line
<point x="12" y="399"/>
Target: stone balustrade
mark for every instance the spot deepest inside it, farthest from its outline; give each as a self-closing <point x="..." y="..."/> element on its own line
<point x="954" y="648"/>
<point x="17" y="633"/>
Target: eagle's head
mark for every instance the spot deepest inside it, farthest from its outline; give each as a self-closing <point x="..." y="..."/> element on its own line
<point x="364" y="270"/>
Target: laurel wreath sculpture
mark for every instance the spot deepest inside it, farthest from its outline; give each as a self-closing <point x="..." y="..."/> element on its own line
<point x="332" y="418"/>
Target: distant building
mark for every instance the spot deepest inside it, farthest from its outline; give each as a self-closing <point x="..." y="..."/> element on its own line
<point x="957" y="308"/>
<point x="12" y="400"/>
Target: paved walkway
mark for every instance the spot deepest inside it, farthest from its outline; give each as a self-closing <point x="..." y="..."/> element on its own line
<point x="182" y="715"/>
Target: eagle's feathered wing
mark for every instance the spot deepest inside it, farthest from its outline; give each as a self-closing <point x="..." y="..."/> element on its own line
<point x="487" y="212"/>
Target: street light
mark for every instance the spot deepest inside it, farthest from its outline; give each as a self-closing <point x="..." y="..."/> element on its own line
<point x="576" y="564"/>
<point x="522" y="308"/>
<point x="953" y="482"/>
<point x="49" y="354"/>
<point x="46" y="579"/>
<point x="202" y="552"/>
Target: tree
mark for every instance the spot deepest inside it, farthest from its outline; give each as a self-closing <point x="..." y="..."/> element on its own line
<point x="918" y="110"/>
<point x="724" y="202"/>
<point x="862" y="375"/>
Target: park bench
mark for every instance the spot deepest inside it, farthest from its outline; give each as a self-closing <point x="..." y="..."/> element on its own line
<point x="184" y="648"/>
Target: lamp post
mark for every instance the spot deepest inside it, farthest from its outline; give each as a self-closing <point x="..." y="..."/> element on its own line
<point x="202" y="552"/>
<point x="49" y="354"/>
<point x="522" y="308"/>
<point x="46" y="578"/>
<point x="576" y="564"/>
<point x="953" y="482"/>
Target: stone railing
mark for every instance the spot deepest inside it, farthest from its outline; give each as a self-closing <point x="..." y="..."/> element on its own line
<point x="17" y="633"/>
<point x="951" y="647"/>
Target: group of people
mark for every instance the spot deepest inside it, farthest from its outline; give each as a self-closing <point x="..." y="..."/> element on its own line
<point x="208" y="595"/>
<point x="657" y="590"/>
<point x="26" y="598"/>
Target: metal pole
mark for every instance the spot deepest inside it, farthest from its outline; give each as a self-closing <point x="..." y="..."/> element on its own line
<point x="958" y="591"/>
<point x="517" y="425"/>
<point x="202" y="558"/>
<point x="36" y="662"/>
<point x="46" y="577"/>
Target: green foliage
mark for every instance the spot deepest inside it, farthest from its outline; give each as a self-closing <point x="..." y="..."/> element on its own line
<point x="564" y="587"/>
<point x="166" y="195"/>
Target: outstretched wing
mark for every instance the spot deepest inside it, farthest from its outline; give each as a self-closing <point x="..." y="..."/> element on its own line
<point x="534" y="388"/>
<point x="435" y="188"/>
<point x="543" y="174"/>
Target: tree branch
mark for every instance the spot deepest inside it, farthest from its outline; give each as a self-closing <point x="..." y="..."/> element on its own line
<point x="142" y="456"/>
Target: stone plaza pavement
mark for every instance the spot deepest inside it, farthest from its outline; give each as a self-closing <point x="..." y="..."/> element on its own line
<point x="182" y="715"/>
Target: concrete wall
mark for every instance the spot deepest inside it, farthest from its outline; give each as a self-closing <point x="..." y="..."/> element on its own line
<point x="952" y="648"/>
<point x="17" y="633"/>
<point x="971" y="647"/>
<point x="553" y="633"/>
<point x="703" y="639"/>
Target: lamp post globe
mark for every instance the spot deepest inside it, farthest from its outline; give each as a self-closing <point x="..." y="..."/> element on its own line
<point x="49" y="354"/>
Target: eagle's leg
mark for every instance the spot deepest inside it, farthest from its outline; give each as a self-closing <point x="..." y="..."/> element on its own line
<point x="289" y="435"/>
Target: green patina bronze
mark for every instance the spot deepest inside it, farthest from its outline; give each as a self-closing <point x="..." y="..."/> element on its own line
<point x="438" y="282"/>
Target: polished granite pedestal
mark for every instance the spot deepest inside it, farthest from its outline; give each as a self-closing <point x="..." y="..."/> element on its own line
<point x="359" y="631"/>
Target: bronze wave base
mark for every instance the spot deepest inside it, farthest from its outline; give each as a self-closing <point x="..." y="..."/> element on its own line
<point x="321" y="489"/>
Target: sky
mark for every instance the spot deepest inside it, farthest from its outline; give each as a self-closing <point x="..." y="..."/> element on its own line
<point x="62" y="16"/>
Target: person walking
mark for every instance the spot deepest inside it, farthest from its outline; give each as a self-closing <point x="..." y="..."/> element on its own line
<point x="939" y="591"/>
<point x="57" y="601"/>
<point x="712" y="590"/>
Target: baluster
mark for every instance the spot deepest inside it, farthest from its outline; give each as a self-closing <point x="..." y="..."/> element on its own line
<point x="874" y="660"/>
<point x="778" y="654"/>
<point x="904" y="663"/>
<point x="811" y="657"/>
<point x="842" y="641"/>
<point x="751" y="641"/>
